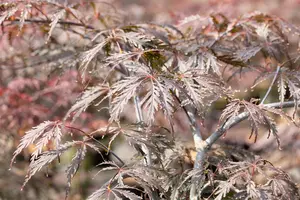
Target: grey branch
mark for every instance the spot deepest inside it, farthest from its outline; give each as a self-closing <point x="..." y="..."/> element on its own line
<point x="204" y="146"/>
<point x="194" y="126"/>
<point x="39" y="21"/>
<point x="237" y="119"/>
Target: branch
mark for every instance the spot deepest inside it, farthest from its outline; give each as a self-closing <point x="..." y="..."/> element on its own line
<point x="237" y="119"/>
<point x="194" y="126"/>
<point x="198" y="142"/>
<point x="205" y="146"/>
<point x="227" y="125"/>
<point x="49" y="21"/>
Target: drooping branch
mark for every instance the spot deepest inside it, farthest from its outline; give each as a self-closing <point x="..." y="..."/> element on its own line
<point x="205" y="146"/>
<point x="237" y="119"/>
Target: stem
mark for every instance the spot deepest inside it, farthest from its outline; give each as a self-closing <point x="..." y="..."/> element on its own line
<point x="49" y="21"/>
<point x="139" y="116"/>
<point x="146" y="151"/>
<point x="102" y="145"/>
<point x="271" y="85"/>
<point x="138" y="109"/>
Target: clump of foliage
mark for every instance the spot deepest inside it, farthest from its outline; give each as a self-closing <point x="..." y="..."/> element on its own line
<point x="159" y="70"/>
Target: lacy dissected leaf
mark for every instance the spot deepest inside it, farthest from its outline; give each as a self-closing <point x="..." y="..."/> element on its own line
<point x="122" y="91"/>
<point x="286" y="79"/>
<point x="184" y="182"/>
<point x="54" y="20"/>
<point x="252" y="191"/>
<point x="135" y="38"/>
<point x="116" y="192"/>
<point x="282" y="86"/>
<point x="282" y="188"/>
<point x="36" y="164"/>
<point x="200" y="90"/>
<point x="148" y="178"/>
<point x="122" y="58"/>
<point x="151" y="101"/>
<point x="166" y="99"/>
<point x="8" y="13"/>
<point x="152" y="137"/>
<point x="90" y="54"/>
<point x="86" y="99"/>
<point x="113" y="138"/>
<point x="74" y="166"/>
<point x="156" y="143"/>
<point x="280" y="113"/>
<point x="158" y="96"/>
<point x="247" y="53"/>
<point x="117" y="37"/>
<point x="24" y="15"/>
<point x="208" y="62"/>
<point x="110" y="166"/>
<point x="235" y="174"/>
<point x="40" y="136"/>
<point x="292" y="80"/>
<point x="238" y="179"/>
<point x="224" y="187"/>
<point x="256" y="115"/>
<point x="232" y="110"/>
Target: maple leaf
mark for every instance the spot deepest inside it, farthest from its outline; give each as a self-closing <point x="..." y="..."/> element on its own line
<point x="40" y="136"/>
<point x="36" y="164"/>
<point x="74" y="166"/>
<point x="86" y="99"/>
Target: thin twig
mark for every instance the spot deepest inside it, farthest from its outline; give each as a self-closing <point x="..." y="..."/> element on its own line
<point x="39" y="21"/>
<point x="102" y="145"/>
<point x="139" y="116"/>
<point x="271" y="85"/>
